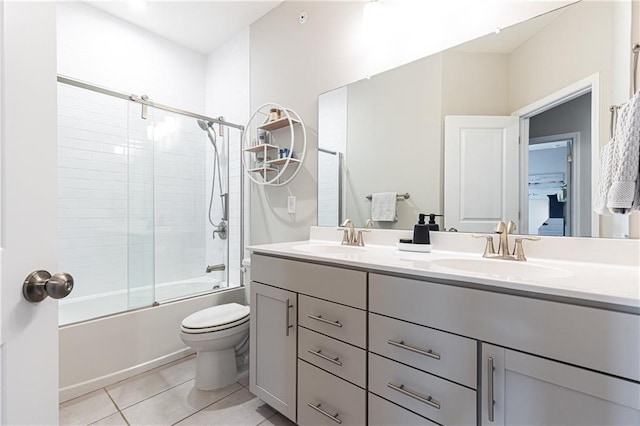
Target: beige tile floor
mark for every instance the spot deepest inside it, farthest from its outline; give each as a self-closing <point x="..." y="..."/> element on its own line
<point x="167" y="396"/>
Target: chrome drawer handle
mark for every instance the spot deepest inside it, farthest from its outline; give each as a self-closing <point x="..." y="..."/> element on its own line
<point x="324" y="413"/>
<point x="415" y="395"/>
<point x="319" y="354"/>
<point x="425" y="352"/>
<point x="490" y="398"/>
<point x="286" y="318"/>
<point x="326" y="321"/>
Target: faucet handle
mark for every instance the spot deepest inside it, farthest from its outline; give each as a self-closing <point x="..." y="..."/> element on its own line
<point x="489" y="249"/>
<point x="360" y="237"/>
<point x="369" y="223"/>
<point x="345" y="235"/>
<point x="518" y="250"/>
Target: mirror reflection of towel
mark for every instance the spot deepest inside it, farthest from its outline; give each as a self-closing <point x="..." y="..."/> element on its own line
<point x="384" y="206"/>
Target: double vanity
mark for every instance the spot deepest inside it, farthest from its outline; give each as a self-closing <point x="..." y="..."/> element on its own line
<point x="371" y="335"/>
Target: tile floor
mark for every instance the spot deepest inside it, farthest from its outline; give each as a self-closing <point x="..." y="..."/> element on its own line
<point x="167" y="396"/>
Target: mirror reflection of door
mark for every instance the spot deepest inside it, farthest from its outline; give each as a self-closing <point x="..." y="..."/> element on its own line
<point x="559" y="152"/>
<point x="550" y="200"/>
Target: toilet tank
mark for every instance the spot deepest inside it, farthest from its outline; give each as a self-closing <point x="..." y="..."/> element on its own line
<point x="246" y="279"/>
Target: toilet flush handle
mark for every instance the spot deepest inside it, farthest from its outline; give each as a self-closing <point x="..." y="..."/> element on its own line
<point x="40" y="284"/>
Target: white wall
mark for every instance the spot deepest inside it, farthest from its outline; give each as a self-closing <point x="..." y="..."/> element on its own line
<point x="328" y="51"/>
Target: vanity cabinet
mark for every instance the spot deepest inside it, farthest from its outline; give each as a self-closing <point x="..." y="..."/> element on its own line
<point x="522" y="389"/>
<point x="273" y="342"/>
<point x="326" y="364"/>
<point x="366" y="347"/>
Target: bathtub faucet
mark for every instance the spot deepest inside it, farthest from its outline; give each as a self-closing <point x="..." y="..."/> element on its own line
<point x="219" y="267"/>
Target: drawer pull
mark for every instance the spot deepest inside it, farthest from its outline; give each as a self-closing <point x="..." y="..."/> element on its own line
<point x="326" y="321"/>
<point x="286" y="318"/>
<point x="490" y="398"/>
<point x="425" y="352"/>
<point x="324" y="413"/>
<point x="415" y="395"/>
<point x="319" y="354"/>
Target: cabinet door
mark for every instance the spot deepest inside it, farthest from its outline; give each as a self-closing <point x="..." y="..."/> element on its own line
<point x="528" y="390"/>
<point x="272" y="373"/>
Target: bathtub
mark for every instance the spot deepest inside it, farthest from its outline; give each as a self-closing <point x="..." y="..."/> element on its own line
<point x="85" y="308"/>
<point x="103" y="351"/>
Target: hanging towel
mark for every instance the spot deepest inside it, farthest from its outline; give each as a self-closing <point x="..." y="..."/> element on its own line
<point x="604" y="178"/>
<point x="626" y="158"/>
<point x="384" y="207"/>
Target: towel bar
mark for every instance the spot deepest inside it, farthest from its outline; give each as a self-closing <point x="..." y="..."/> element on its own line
<point x="404" y="196"/>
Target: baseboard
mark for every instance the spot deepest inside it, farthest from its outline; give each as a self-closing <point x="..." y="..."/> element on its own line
<point x="79" y="389"/>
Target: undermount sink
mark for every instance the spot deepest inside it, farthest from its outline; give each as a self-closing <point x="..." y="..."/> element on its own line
<point x="505" y="269"/>
<point x="328" y="249"/>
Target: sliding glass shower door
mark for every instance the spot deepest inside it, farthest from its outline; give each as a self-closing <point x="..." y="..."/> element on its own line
<point x="134" y="197"/>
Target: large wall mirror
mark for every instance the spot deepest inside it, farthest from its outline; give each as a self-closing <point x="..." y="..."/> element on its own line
<point x="505" y="127"/>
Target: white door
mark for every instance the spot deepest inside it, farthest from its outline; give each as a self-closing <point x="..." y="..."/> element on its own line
<point x="481" y="180"/>
<point x="29" y="367"/>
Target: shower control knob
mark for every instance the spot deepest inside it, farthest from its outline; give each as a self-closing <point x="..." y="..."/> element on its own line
<point x="40" y="284"/>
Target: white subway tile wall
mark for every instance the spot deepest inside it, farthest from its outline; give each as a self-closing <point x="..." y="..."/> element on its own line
<point x="133" y="198"/>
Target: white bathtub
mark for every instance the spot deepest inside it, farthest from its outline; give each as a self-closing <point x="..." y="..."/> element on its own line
<point x="99" y="352"/>
<point x="85" y="308"/>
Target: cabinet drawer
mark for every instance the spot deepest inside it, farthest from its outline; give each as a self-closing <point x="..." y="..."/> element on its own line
<point x="344" y="286"/>
<point x="338" y="321"/>
<point x="333" y="398"/>
<point x="437" y="399"/>
<point x="384" y="413"/>
<point x="343" y="360"/>
<point x="452" y="357"/>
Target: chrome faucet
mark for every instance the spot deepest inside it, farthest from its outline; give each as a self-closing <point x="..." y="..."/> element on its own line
<point x="503" y="248"/>
<point x="504" y="231"/>
<point x="349" y="236"/>
<point x="218" y="267"/>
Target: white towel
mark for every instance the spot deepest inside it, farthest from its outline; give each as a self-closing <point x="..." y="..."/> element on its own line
<point x="384" y="207"/>
<point x="604" y="178"/>
<point x="626" y="158"/>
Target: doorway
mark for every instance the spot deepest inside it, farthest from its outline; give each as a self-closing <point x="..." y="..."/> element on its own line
<point x="557" y="158"/>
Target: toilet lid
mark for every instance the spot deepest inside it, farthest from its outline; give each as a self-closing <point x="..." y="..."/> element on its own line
<point x="217" y="317"/>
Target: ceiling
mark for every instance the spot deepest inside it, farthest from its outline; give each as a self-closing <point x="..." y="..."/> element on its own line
<point x="201" y="26"/>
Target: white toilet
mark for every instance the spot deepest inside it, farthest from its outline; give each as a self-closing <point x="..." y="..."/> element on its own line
<point x="215" y="333"/>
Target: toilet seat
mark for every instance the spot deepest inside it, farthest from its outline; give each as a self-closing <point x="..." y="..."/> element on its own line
<point x="216" y="318"/>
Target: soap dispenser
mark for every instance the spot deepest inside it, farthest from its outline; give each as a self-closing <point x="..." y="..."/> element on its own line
<point x="433" y="226"/>
<point x="421" y="231"/>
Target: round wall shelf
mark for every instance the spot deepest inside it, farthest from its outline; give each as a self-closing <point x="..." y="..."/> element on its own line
<point x="266" y="161"/>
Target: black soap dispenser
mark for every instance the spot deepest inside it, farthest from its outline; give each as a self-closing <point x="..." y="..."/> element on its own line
<point x="421" y="231"/>
<point x="433" y="226"/>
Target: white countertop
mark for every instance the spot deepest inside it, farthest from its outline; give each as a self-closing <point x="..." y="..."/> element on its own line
<point x="590" y="282"/>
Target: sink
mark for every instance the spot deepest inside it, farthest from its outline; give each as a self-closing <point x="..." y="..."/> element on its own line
<point x="328" y="249"/>
<point x="504" y="269"/>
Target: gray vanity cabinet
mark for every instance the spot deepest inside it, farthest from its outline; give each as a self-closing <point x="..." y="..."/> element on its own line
<point x="522" y="389"/>
<point x="273" y="339"/>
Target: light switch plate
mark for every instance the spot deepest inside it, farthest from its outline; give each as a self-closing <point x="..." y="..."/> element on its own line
<point x="291" y="204"/>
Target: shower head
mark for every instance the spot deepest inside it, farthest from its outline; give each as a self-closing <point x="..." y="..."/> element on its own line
<point x="204" y="125"/>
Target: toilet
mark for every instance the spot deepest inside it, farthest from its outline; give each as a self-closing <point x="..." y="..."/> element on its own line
<point x="215" y="333"/>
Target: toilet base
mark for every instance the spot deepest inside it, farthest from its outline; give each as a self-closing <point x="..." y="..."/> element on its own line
<point x="216" y="369"/>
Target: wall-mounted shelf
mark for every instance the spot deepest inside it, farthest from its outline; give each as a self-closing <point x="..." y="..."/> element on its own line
<point x="278" y="124"/>
<point x="282" y="161"/>
<point x="260" y="161"/>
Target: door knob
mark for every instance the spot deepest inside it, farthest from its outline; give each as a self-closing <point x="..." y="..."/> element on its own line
<point x="40" y="284"/>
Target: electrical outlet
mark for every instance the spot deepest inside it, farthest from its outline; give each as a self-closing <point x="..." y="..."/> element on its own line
<point x="291" y="204"/>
